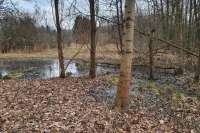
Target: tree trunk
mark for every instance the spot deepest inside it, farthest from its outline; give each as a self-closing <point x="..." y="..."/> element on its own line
<point x="163" y="20"/>
<point x="93" y="45"/>
<point x="60" y="50"/>
<point x="197" y="22"/>
<point x="167" y="20"/>
<point x="190" y="30"/>
<point x="151" y="62"/>
<point x="172" y="22"/>
<point x="197" y="74"/>
<point x="122" y="98"/>
<point x="119" y="27"/>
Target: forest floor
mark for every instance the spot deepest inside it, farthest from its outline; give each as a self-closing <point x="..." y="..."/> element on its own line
<point x="168" y="104"/>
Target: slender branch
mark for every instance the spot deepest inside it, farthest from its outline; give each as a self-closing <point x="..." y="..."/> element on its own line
<point x="185" y="50"/>
<point x="103" y="18"/>
<point x="73" y="57"/>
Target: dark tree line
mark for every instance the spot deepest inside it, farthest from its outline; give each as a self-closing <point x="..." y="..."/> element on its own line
<point x="22" y="33"/>
<point x="18" y="33"/>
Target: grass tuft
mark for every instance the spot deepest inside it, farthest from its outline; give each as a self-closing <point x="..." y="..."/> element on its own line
<point x="178" y="96"/>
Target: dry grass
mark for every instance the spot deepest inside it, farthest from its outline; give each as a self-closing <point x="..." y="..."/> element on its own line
<point x="108" y="51"/>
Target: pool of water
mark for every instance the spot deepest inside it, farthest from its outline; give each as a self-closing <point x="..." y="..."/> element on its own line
<point x="47" y="68"/>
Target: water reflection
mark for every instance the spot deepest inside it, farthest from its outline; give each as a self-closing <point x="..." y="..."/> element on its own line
<point x="44" y="68"/>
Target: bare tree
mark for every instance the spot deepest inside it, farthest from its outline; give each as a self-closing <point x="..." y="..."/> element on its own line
<point x="119" y="18"/>
<point x="197" y="20"/>
<point x="93" y="45"/>
<point x="59" y="39"/>
<point x="122" y="98"/>
<point x="151" y="61"/>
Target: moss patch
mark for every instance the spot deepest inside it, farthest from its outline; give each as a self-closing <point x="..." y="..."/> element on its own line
<point x="167" y="67"/>
<point x="13" y="75"/>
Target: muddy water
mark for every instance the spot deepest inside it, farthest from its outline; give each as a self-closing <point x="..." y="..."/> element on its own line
<point x="47" y="68"/>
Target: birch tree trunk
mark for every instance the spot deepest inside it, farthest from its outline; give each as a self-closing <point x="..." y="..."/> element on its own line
<point x="122" y="97"/>
<point x="60" y="50"/>
<point x="93" y="45"/>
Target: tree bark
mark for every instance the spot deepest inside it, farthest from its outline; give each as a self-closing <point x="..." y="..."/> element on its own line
<point x="163" y="20"/>
<point x="197" y="22"/>
<point x="151" y="62"/>
<point x="167" y="20"/>
<point x="190" y="30"/>
<point x="119" y="27"/>
<point x="197" y="74"/>
<point x="59" y="40"/>
<point x="172" y="21"/>
<point x="93" y="45"/>
<point x="122" y="97"/>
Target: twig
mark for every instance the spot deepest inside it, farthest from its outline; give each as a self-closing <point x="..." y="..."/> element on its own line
<point x="73" y="57"/>
<point x="185" y="50"/>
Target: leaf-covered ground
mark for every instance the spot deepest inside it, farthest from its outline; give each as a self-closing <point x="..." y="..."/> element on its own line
<point x="73" y="105"/>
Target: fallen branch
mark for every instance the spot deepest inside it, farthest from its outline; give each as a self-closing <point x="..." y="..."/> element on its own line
<point x="139" y="65"/>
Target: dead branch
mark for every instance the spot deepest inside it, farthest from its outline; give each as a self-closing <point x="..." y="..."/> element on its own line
<point x="73" y="57"/>
<point x="185" y="50"/>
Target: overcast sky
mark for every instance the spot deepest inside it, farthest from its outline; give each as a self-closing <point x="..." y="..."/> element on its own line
<point x="29" y="6"/>
<point x="45" y="6"/>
